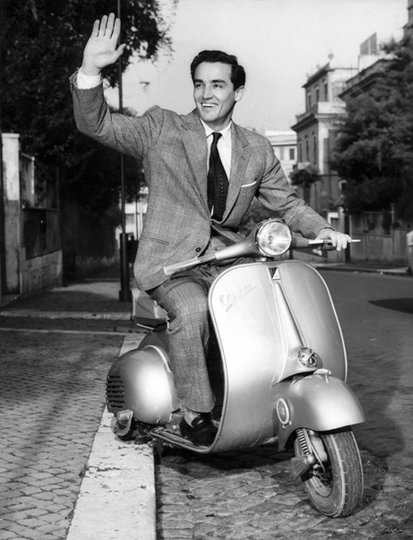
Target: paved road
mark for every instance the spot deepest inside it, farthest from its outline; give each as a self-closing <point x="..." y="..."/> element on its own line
<point x="251" y="494"/>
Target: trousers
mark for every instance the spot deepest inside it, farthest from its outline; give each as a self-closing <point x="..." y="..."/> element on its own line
<point x="185" y="299"/>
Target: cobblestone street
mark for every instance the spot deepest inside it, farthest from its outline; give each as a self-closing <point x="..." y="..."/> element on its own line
<point x="52" y="398"/>
<point x="252" y="494"/>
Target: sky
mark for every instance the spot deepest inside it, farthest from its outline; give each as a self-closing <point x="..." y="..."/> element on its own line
<point x="279" y="43"/>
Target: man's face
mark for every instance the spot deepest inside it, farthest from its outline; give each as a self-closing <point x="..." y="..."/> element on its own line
<point x="214" y="94"/>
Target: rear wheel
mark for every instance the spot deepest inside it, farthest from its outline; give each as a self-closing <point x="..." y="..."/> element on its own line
<point x="335" y="481"/>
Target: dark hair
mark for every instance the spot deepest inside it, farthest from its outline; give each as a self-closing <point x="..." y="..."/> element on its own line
<point x="237" y="71"/>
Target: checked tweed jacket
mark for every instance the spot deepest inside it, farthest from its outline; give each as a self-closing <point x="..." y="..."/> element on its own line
<point x="173" y="150"/>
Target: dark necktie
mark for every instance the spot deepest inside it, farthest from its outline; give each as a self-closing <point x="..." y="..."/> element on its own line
<point x="217" y="181"/>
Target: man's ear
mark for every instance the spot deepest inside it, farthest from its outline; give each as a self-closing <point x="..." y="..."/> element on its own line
<point x="239" y="92"/>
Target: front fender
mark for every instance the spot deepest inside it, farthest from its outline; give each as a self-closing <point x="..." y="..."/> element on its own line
<point x="318" y="402"/>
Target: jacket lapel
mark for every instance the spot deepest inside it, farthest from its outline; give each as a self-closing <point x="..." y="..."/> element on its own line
<point x="194" y="140"/>
<point x="239" y="160"/>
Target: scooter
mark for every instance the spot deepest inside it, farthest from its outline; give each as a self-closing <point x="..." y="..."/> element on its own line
<point x="278" y="369"/>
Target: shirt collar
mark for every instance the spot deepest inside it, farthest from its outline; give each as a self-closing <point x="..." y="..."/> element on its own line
<point x="226" y="132"/>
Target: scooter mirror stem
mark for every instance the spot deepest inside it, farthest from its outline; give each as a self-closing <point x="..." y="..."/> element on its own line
<point x="246" y="247"/>
<point x="186" y="265"/>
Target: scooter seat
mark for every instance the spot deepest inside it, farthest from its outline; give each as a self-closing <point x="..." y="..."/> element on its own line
<point x="146" y="312"/>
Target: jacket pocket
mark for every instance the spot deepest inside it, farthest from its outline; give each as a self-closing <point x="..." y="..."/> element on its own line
<point x="150" y="239"/>
<point x="251" y="184"/>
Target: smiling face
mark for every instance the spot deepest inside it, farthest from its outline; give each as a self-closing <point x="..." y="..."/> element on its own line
<point x="214" y="94"/>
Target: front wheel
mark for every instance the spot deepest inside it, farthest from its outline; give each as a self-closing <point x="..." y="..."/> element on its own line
<point x="335" y="481"/>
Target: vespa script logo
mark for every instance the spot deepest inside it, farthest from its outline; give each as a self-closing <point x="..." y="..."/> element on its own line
<point x="229" y="300"/>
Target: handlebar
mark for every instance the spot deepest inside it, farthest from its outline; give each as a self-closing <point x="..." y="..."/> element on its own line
<point x="296" y="243"/>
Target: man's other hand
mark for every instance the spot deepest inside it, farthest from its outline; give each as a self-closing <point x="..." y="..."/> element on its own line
<point x="101" y="50"/>
<point x="338" y="239"/>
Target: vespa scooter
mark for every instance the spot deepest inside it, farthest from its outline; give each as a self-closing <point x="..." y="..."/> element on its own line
<point x="278" y="371"/>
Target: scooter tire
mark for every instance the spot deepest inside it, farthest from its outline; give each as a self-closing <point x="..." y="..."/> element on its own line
<point x="336" y="491"/>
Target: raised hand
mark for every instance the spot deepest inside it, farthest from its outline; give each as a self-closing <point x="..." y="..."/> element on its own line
<point x="101" y="50"/>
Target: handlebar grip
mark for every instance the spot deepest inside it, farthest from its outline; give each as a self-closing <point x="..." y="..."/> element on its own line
<point x="325" y="244"/>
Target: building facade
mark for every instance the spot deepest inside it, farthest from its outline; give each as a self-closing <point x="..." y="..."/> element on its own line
<point x="284" y="144"/>
<point x="31" y="251"/>
<point x="317" y="129"/>
<point x="408" y="28"/>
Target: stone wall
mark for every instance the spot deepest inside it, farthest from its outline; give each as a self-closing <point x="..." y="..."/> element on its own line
<point x="23" y="275"/>
<point x="382" y="238"/>
<point x="41" y="273"/>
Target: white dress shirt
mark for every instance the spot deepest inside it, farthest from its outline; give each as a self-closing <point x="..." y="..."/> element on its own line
<point x="84" y="82"/>
<point x="224" y="145"/>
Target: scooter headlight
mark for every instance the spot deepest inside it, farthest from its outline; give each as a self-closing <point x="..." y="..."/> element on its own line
<point x="273" y="238"/>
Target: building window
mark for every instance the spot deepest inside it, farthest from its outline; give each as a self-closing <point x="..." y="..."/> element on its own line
<point x="317" y="94"/>
<point x="308" y="100"/>
<point x="292" y="154"/>
<point x="307" y="149"/>
<point x="325" y="91"/>
<point x="300" y="152"/>
<point x="314" y="149"/>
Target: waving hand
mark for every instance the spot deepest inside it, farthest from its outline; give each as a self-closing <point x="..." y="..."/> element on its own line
<point x="101" y="50"/>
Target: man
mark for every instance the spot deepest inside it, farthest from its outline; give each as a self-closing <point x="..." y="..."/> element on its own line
<point x="200" y="187"/>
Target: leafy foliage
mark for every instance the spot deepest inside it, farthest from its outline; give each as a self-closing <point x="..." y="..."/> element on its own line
<point x="41" y="46"/>
<point x="305" y="177"/>
<point x="374" y="150"/>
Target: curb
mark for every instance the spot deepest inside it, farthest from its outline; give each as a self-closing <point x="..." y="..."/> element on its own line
<point x="117" y="494"/>
<point x="35" y="313"/>
<point x="401" y="272"/>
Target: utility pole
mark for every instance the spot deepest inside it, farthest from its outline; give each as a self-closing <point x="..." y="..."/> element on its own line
<point x="124" y="293"/>
<point x="2" y="220"/>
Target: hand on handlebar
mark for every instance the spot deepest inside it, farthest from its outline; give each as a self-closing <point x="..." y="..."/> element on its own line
<point x="101" y="50"/>
<point x="338" y="240"/>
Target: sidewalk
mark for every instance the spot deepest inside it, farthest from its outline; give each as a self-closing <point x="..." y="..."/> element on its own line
<point x="117" y="497"/>
<point x="117" y="494"/>
<point x="92" y="298"/>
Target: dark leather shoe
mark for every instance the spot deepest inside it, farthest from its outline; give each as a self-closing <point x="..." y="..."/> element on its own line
<point x="201" y="432"/>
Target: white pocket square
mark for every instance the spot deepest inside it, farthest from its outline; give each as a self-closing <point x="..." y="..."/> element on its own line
<point x="248" y="185"/>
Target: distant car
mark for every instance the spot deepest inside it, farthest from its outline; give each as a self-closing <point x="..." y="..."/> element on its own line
<point x="409" y="241"/>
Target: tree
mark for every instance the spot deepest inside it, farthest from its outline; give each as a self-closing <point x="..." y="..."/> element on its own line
<point x="305" y="177"/>
<point x="42" y="43"/>
<point x="374" y="151"/>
